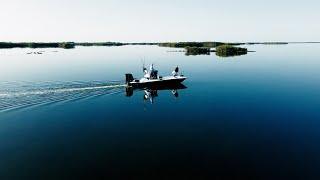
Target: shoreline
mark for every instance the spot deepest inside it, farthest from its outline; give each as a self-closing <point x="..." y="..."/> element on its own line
<point x="71" y="45"/>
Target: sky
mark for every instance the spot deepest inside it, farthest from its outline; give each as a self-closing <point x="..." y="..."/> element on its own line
<point x="159" y="20"/>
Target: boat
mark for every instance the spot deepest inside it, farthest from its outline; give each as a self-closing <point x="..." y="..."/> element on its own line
<point x="151" y="78"/>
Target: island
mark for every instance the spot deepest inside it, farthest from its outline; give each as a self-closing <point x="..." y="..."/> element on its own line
<point x="228" y="50"/>
<point x="209" y="44"/>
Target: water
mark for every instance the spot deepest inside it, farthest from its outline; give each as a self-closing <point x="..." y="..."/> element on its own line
<point x="65" y="115"/>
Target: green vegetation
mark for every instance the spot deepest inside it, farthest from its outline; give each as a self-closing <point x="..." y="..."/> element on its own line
<point x="144" y="43"/>
<point x="66" y="45"/>
<point x="197" y="51"/>
<point x="204" y="48"/>
<point x="228" y="50"/>
<point x="112" y="44"/>
<point x="100" y="44"/>
<point x="196" y="44"/>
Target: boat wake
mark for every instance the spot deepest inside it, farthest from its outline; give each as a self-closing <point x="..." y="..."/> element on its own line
<point x="25" y="94"/>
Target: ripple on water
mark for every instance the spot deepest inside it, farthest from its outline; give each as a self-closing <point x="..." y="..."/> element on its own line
<point x="14" y="95"/>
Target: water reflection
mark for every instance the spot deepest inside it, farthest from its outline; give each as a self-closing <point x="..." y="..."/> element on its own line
<point x="150" y="93"/>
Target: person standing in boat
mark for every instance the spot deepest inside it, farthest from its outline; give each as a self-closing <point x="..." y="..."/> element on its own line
<point x="153" y="72"/>
<point x="175" y="72"/>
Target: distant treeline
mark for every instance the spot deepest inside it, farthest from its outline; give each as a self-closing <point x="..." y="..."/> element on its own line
<point x="69" y="45"/>
<point x="144" y="43"/>
<point x="65" y="45"/>
<point x="111" y="44"/>
<point x="196" y="44"/>
<point x="100" y="44"/>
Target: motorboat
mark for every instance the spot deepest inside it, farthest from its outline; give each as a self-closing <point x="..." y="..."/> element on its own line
<point x="151" y="78"/>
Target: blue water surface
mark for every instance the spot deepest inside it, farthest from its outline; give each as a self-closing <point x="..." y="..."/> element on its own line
<point x="65" y="115"/>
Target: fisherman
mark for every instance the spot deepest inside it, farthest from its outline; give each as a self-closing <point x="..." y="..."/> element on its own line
<point x="146" y="73"/>
<point x="175" y="72"/>
<point x="153" y="72"/>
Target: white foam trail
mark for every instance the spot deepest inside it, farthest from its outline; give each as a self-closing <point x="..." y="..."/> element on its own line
<point x="15" y="96"/>
<point x="18" y="106"/>
<point x="62" y="90"/>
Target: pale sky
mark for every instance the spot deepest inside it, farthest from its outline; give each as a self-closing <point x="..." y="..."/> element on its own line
<point x="159" y="20"/>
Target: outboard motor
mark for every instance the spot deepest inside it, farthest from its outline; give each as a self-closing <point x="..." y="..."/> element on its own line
<point x="129" y="78"/>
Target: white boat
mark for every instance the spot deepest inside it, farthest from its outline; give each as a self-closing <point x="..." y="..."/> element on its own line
<point x="151" y="78"/>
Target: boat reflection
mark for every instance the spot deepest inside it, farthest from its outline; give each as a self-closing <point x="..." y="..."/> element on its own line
<point x="150" y="93"/>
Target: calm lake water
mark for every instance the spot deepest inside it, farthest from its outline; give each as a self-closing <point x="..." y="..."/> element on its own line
<point x="65" y="115"/>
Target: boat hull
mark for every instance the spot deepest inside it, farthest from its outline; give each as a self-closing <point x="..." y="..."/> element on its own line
<point x="158" y="82"/>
